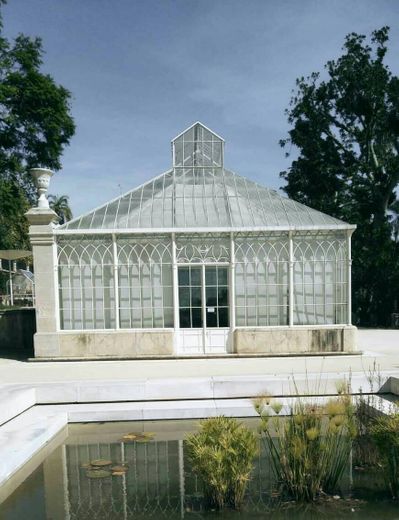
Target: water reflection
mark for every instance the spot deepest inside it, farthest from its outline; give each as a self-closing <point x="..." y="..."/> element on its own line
<point x="159" y="482"/>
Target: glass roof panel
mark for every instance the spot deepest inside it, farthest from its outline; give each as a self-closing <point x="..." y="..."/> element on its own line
<point x="199" y="193"/>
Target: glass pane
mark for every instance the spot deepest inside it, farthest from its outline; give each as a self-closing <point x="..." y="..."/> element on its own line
<point x="211" y="317"/>
<point x="222" y="275"/>
<point x="211" y="297"/>
<point x="195" y="276"/>
<point x="197" y="317"/>
<point x="210" y="275"/>
<point x="185" y="318"/>
<point x="184" y="296"/>
<point x="240" y="316"/>
<point x="196" y="297"/>
<point x="251" y="316"/>
<point x="222" y="296"/>
<point x="223" y="317"/>
<point x="168" y="317"/>
<point x="183" y="276"/>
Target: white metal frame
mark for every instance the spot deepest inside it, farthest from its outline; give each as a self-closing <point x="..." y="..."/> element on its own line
<point x="202" y="244"/>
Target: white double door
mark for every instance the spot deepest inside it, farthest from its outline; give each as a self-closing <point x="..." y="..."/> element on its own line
<point x="204" y="313"/>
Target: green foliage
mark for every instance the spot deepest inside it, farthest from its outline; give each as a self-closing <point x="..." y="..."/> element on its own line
<point x="35" y="127"/>
<point x="60" y="205"/>
<point x="385" y="433"/>
<point x="310" y="447"/>
<point x="35" y="120"/>
<point x="222" y="456"/>
<point x="346" y="129"/>
<point x="13" y="225"/>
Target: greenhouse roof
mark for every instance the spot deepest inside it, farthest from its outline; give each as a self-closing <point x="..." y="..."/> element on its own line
<point x="198" y="193"/>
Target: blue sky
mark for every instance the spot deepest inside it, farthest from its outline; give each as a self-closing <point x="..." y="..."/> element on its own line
<point x="141" y="71"/>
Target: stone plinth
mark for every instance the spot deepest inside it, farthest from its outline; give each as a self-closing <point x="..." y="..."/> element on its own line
<point x="295" y="340"/>
<point x="41" y="234"/>
<point x="92" y="344"/>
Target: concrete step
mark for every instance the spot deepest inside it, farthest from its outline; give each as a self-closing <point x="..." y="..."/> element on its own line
<point x="22" y="437"/>
<point x="212" y="387"/>
<point x="14" y="401"/>
<point x="166" y="410"/>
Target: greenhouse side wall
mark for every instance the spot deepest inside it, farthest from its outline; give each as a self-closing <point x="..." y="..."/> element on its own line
<point x="115" y="294"/>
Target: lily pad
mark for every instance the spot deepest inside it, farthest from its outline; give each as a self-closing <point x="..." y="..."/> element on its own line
<point x="143" y="438"/>
<point x="120" y="468"/>
<point x="98" y="473"/>
<point x="101" y="463"/>
<point x="138" y="437"/>
<point x="130" y="437"/>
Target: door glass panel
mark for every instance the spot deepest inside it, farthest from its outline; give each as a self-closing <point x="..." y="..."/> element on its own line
<point x="210" y="275"/>
<point x="223" y="317"/>
<point x="184" y="296"/>
<point x="196" y="297"/>
<point x="196" y="276"/>
<point x="190" y="297"/>
<point x="217" y="297"/>
<point x="184" y="276"/>
<point x="211" y="317"/>
<point x="222" y="275"/>
<point x="191" y="305"/>
<point x="222" y="296"/>
<point x="185" y="321"/>
<point x="211" y="300"/>
<point x="196" y="318"/>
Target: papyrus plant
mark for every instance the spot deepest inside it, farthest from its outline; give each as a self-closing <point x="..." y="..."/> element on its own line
<point x="310" y="447"/>
<point x="385" y="434"/>
<point x="222" y="455"/>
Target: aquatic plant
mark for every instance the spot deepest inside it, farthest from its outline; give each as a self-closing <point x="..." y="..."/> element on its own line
<point x="222" y="454"/>
<point x="368" y="405"/>
<point x="310" y="447"/>
<point x="101" y="462"/>
<point x="138" y="437"/>
<point x="98" y="473"/>
<point x="385" y="433"/>
<point x="103" y="468"/>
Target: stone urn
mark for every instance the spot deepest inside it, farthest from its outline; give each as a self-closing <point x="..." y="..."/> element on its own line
<point x="42" y="178"/>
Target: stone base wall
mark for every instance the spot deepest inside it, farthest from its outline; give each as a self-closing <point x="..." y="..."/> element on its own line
<point x="295" y="340"/>
<point x="137" y="344"/>
<point x="104" y="344"/>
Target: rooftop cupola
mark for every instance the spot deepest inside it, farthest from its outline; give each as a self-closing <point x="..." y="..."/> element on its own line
<point x="198" y="147"/>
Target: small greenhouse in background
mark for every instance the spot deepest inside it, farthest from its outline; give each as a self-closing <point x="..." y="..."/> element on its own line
<point x="23" y="287"/>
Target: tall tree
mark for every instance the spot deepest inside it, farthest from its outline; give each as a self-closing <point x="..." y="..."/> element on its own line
<point x="346" y="130"/>
<point x="35" y="123"/>
<point x="60" y="205"/>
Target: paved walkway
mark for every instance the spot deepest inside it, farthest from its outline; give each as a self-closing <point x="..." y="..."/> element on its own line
<point x="379" y="346"/>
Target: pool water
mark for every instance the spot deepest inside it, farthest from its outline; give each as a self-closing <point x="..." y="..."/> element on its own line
<point x="154" y="480"/>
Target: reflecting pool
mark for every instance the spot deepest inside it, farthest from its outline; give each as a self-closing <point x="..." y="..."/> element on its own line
<point x="96" y="472"/>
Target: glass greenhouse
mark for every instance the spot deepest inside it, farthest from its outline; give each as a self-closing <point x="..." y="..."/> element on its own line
<point x="198" y="260"/>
